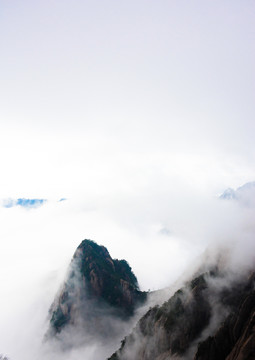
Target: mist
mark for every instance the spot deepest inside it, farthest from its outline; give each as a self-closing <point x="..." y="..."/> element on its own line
<point x="40" y="243"/>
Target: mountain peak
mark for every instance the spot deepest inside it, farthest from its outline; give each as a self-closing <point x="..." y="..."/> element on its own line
<point x="95" y="280"/>
<point x="244" y="194"/>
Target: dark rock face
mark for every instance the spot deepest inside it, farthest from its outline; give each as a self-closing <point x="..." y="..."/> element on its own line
<point x="235" y="338"/>
<point x="171" y="328"/>
<point x="179" y="329"/>
<point x="97" y="288"/>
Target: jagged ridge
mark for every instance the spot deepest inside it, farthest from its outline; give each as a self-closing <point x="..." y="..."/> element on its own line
<point x="176" y="329"/>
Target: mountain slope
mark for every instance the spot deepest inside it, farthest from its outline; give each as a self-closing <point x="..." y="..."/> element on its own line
<point x="235" y="338"/>
<point x="212" y="317"/>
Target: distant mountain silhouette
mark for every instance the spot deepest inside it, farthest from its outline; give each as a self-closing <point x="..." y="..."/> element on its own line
<point x="245" y="194"/>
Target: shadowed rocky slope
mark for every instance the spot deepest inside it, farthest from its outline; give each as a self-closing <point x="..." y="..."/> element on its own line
<point x="212" y="317"/>
<point x="235" y="338"/>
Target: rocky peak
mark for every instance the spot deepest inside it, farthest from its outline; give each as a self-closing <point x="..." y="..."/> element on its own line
<point x="95" y="281"/>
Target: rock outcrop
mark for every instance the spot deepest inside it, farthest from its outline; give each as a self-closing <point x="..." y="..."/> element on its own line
<point x="97" y="288"/>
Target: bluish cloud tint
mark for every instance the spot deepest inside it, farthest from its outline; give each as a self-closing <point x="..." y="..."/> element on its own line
<point x="27" y="203"/>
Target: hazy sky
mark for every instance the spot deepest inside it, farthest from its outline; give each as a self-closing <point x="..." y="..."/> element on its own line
<point x="138" y="112"/>
<point x="103" y="96"/>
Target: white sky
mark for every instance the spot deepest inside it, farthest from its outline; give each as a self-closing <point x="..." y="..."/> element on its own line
<point x="138" y="112"/>
<point x="98" y="95"/>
